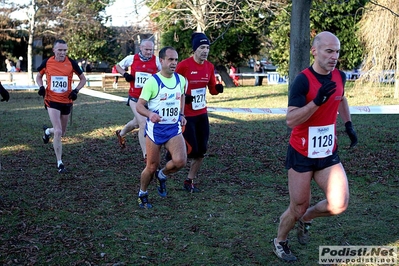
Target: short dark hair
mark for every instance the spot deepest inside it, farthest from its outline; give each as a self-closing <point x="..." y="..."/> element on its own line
<point x="59" y="41"/>
<point x="162" y="52"/>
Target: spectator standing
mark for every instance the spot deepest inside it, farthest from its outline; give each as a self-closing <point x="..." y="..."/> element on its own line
<point x="233" y="76"/>
<point x="316" y="96"/>
<point x="200" y="74"/>
<point x="88" y="67"/>
<point x="18" y="66"/>
<point x="116" y="77"/>
<point x="80" y="66"/>
<point x="58" y="94"/>
<point x="142" y="66"/>
<point x="258" y="69"/>
<point x="162" y="103"/>
<point x="10" y="66"/>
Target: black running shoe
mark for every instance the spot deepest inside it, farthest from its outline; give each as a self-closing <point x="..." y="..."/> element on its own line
<point x="143" y="202"/>
<point x="161" y="185"/>
<point x="168" y="156"/>
<point x="283" y="251"/>
<point x="45" y="137"/>
<point x="190" y="187"/>
<point x="61" y="169"/>
<point x="303" y="232"/>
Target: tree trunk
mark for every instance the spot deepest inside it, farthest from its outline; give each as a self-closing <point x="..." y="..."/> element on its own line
<point x="396" y="75"/>
<point x="223" y="72"/>
<point x="32" y="14"/>
<point x="299" y="37"/>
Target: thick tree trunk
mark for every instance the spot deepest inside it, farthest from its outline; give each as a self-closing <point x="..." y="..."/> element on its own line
<point x="228" y="82"/>
<point x="299" y="37"/>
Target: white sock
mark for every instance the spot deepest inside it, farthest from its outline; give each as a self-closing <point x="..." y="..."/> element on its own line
<point x="48" y="131"/>
<point x="141" y="193"/>
<point x="59" y="162"/>
<point x="161" y="175"/>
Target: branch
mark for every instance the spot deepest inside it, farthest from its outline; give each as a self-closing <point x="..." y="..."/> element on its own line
<point x="384" y="7"/>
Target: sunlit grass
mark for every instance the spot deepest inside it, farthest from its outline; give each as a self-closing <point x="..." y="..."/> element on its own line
<point x="14" y="148"/>
<point x="90" y="215"/>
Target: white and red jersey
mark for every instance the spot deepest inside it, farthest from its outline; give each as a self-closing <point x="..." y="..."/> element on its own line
<point x="140" y="70"/>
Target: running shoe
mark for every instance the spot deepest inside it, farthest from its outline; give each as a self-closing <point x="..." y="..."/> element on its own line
<point x="161" y="185"/>
<point x="302" y="232"/>
<point x="190" y="187"/>
<point x="61" y="169"/>
<point x="45" y="137"/>
<point x="168" y="156"/>
<point x="143" y="202"/>
<point x="282" y="251"/>
<point x="121" y="140"/>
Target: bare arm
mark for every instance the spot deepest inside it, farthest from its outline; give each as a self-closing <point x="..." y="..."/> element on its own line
<point x="183" y="120"/>
<point x="141" y="109"/>
<point x="82" y="82"/>
<point x="120" y="69"/>
<point x="343" y="110"/>
<point x="39" y="79"/>
<point x="298" y="115"/>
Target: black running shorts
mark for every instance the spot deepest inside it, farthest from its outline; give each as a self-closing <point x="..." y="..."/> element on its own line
<point x="64" y="108"/>
<point x="303" y="164"/>
<point x="196" y="135"/>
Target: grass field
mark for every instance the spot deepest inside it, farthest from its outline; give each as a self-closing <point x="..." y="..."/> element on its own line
<point x="90" y="216"/>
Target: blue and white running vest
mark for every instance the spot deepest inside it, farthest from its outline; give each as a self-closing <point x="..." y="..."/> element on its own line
<point x="167" y="105"/>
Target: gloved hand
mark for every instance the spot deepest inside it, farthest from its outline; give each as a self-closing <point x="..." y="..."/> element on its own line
<point x="42" y="91"/>
<point x="73" y="95"/>
<point x="219" y="88"/>
<point x="324" y="93"/>
<point x="4" y="94"/>
<point x="189" y="98"/>
<point x="351" y="133"/>
<point x="128" y="77"/>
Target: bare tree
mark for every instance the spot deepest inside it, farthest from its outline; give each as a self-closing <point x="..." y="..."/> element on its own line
<point x="203" y="14"/>
<point x="379" y="28"/>
<point x="31" y="32"/>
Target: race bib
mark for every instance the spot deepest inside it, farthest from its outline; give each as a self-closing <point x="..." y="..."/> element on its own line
<point x="321" y="141"/>
<point x="199" y="101"/>
<point x="59" y="84"/>
<point x="169" y="110"/>
<point x="141" y="78"/>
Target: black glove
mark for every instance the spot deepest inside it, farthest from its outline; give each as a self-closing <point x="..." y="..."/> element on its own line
<point x="128" y="77"/>
<point x="219" y="88"/>
<point x="73" y="95"/>
<point x="189" y="98"/>
<point x="42" y="91"/>
<point x="325" y="91"/>
<point x="351" y="133"/>
<point x="4" y="94"/>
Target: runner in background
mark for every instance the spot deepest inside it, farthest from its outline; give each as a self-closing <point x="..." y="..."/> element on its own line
<point x="200" y="74"/>
<point x="142" y="66"/>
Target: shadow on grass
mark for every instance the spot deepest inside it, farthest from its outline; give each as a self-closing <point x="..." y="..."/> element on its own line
<point x="90" y="214"/>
